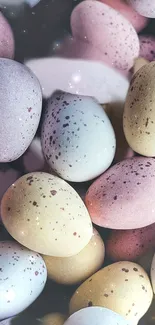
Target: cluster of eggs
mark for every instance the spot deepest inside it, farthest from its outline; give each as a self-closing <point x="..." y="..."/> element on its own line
<point x="97" y="126"/>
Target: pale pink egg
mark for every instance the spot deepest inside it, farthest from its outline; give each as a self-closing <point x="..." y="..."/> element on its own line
<point x="6" y="39"/>
<point x="145" y="8"/>
<point x="98" y="24"/>
<point x="147" y="47"/>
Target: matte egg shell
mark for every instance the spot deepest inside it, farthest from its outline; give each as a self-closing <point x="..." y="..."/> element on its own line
<point x="129" y="245"/>
<point x="7" y="177"/>
<point x="33" y="159"/>
<point x="139" y="113"/>
<point x="147" y="47"/>
<point x="53" y="319"/>
<point x="108" y="30"/>
<point x="123" y="197"/>
<point x="145" y="8"/>
<point x="21" y="103"/>
<point x="72" y="270"/>
<point x="6" y="39"/>
<point x="97" y="316"/>
<point x="153" y="273"/>
<point x="71" y="128"/>
<point x="123" y="287"/>
<point x="45" y="214"/>
<point x="139" y="63"/>
<point x="83" y="77"/>
<point x="23" y="276"/>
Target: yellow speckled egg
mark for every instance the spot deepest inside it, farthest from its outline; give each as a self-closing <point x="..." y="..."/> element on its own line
<point x="139" y="112"/>
<point x="123" y="287"/>
<point x="53" y="319"/>
<point x="77" y="268"/>
<point x="45" y="214"/>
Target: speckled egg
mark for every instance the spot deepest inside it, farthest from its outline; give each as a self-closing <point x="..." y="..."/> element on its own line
<point x="53" y="319"/>
<point x="108" y="30"/>
<point x="139" y="113"/>
<point x="45" y="214"/>
<point x="6" y="39"/>
<point x="145" y="8"/>
<point x="147" y="47"/>
<point x="129" y="245"/>
<point x="23" y="276"/>
<point x="97" y="316"/>
<point x="153" y="273"/>
<point x="71" y="128"/>
<point x="21" y="103"/>
<point x="72" y="270"/>
<point x="122" y="198"/>
<point x="123" y="287"/>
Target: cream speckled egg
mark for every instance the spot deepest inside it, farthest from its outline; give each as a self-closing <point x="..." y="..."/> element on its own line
<point x="45" y="214"/>
<point x="145" y="8"/>
<point x="139" y="113"/>
<point x="123" y="287"/>
<point x="72" y="270"/>
<point x="23" y="276"/>
<point x="53" y="319"/>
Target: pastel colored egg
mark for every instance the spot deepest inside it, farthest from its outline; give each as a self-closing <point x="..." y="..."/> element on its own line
<point x="45" y="214"/>
<point x="123" y="287"/>
<point x="105" y="28"/>
<point x="6" y="39"/>
<point x="139" y="114"/>
<point x="147" y="47"/>
<point x="22" y="271"/>
<point x="129" y="245"/>
<point x="53" y="319"/>
<point x="72" y="270"/>
<point x="21" y="103"/>
<point x="122" y="193"/>
<point x="87" y="78"/>
<point x="145" y="8"/>
<point x="97" y="316"/>
<point x="153" y="273"/>
<point x="33" y="159"/>
<point x="72" y="125"/>
<point x="7" y="177"/>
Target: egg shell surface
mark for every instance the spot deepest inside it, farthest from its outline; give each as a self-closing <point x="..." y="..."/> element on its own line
<point x="21" y="103"/>
<point x="139" y="113"/>
<point x="97" y="316"/>
<point x="23" y="277"/>
<point x="123" y="287"/>
<point x="45" y="214"/>
<point x="129" y="245"/>
<point x="139" y="63"/>
<point x="7" y="46"/>
<point x="147" y="47"/>
<point x="145" y="8"/>
<point x="105" y="28"/>
<point x="122" y="198"/>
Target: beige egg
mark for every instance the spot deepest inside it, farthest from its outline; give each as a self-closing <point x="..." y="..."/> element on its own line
<point x="53" y="319"/>
<point x="139" y="113"/>
<point x="72" y="270"/>
<point x="45" y="214"/>
<point x="123" y="287"/>
<point x="139" y="63"/>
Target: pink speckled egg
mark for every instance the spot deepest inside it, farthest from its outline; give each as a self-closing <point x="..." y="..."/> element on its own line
<point x="129" y="245"/>
<point x="105" y="28"/>
<point x="139" y="22"/>
<point x="123" y="197"/>
<point x="147" y="47"/>
<point x="145" y="8"/>
<point x="6" y="39"/>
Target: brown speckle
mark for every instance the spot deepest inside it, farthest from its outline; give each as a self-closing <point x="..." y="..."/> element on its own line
<point x="53" y="192"/>
<point x="75" y="233"/>
<point x="90" y="304"/>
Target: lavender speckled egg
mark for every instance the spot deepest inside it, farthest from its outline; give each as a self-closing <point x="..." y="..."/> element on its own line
<point x="23" y="276"/>
<point x="45" y="214"/>
<point x="122" y="198"/>
<point x="71" y="128"/>
<point x="108" y="30"/>
<point x="21" y="103"/>
<point x="6" y="39"/>
<point x="147" y="47"/>
<point x="129" y="245"/>
<point x="145" y="8"/>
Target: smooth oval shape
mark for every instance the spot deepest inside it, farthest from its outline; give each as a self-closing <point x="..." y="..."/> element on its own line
<point x="122" y="198"/>
<point x="129" y="245"/>
<point x="82" y="77"/>
<point x="153" y="273"/>
<point x="7" y="46"/>
<point x="123" y="287"/>
<point x="145" y="8"/>
<point x="53" y="319"/>
<point x="97" y="316"/>
<point x="21" y="104"/>
<point x="106" y="29"/>
<point x="45" y="214"/>
<point x="139" y="113"/>
<point x="71" y="128"/>
<point x="21" y="271"/>
<point x="147" y="47"/>
<point x="78" y="268"/>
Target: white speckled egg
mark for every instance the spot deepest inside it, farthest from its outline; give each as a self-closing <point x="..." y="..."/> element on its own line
<point x="23" y="276"/>
<point x="77" y="137"/>
<point x="21" y="103"/>
<point x="45" y="214"/>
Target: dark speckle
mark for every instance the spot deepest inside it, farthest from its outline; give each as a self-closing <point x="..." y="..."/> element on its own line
<point x="135" y="269"/>
<point x="53" y="192"/>
<point x="75" y="233"/>
<point x="90" y="304"/>
<point x="115" y="197"/>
